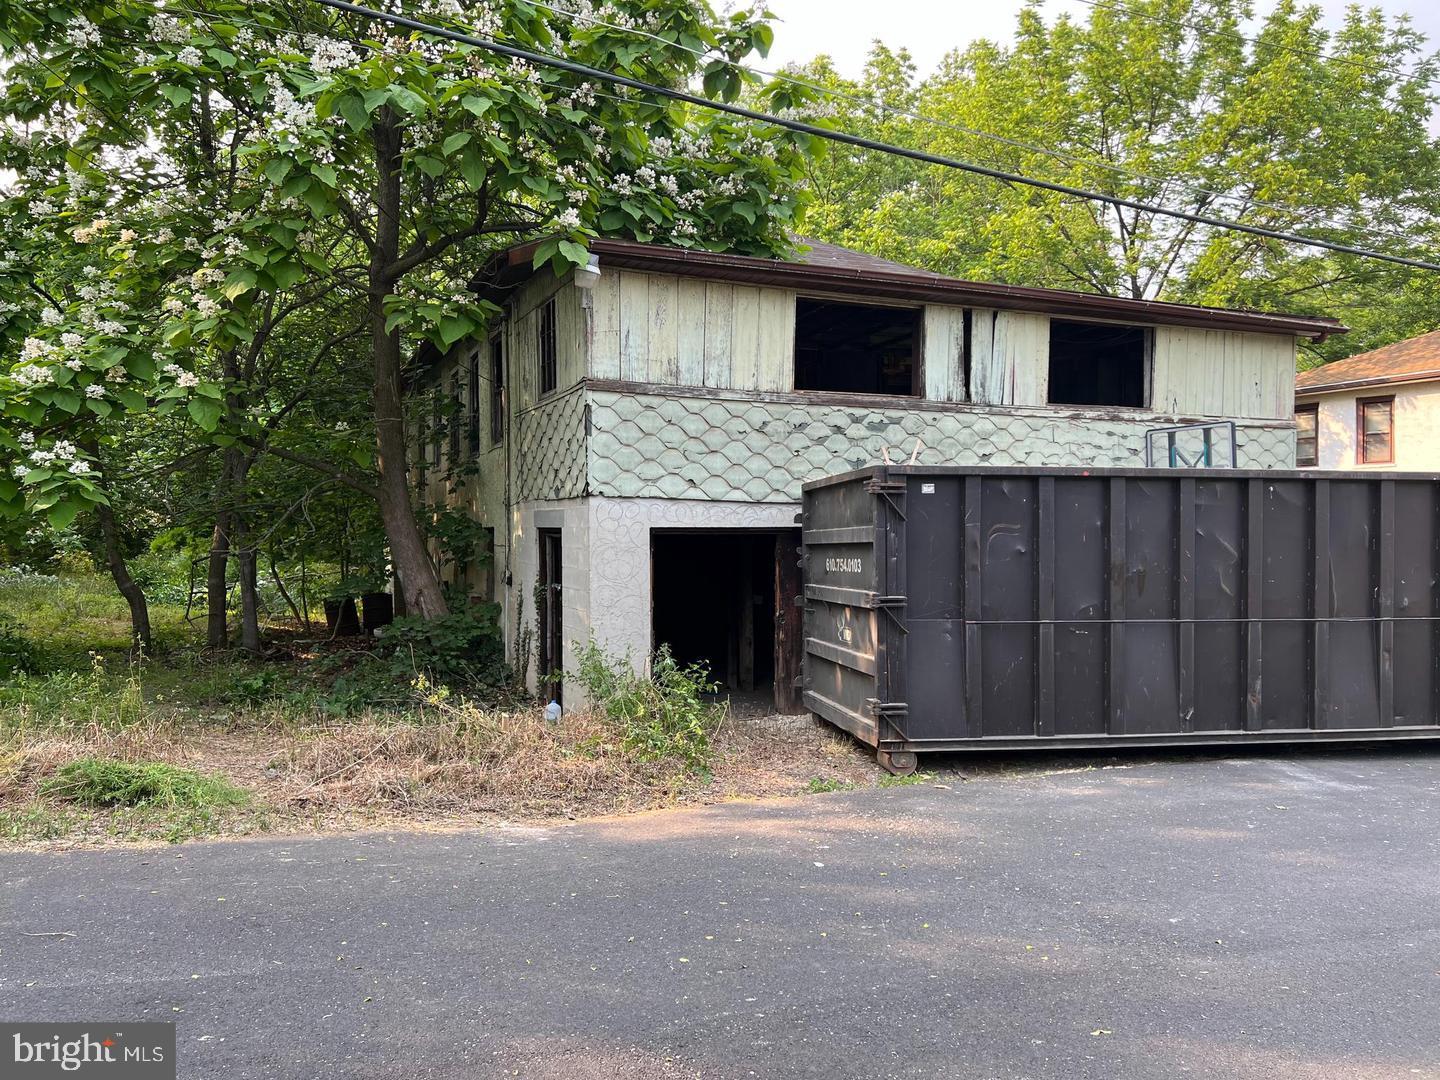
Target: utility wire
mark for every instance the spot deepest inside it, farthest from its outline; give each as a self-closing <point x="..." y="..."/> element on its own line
<point x="896" y="110"/>
<point x="845" y="138"/>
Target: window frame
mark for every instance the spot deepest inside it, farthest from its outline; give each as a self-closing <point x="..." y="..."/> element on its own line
<point x="1362" y="456"/>
<point x="547" y="360"/>
<point x="917" y="360"/>
<point x="452" y="434"/>
<point x="472" y="403"/>
<point x="497" y="389"/>
<point x="437" y="425"/>
<point x="1147" y="364"/>
<point x="1309" y="409"/>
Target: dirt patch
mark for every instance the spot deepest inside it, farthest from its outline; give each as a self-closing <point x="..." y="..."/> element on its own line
<point x="467" y="767"/>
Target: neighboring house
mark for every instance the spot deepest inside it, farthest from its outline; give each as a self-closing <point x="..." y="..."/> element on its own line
<point x="1374" y="410"/>
<point x="638" y="436"/>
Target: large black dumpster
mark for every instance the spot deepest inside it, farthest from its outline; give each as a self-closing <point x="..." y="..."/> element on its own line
<point x="978" y="608"/>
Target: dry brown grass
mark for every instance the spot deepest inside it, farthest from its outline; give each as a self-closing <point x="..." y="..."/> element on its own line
<point x="442" y="763"/>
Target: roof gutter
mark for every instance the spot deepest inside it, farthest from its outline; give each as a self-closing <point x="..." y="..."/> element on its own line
<point x="1375" y="380"/>
<point x="515" y="264"/>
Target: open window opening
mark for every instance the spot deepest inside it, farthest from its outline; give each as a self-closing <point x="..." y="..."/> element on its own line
<point x="726" y="600"/>
<point x="856" y="348"/>
<point x="1098" y="364"/>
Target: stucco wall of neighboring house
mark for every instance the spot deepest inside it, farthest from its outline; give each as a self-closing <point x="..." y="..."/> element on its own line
<point x="1416" y="431"/>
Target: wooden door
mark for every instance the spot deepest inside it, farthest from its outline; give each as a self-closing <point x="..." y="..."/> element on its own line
<point x="549" y="615"/>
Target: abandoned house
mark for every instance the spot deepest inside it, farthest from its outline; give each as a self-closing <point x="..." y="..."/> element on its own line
<point x="637" y="432"/>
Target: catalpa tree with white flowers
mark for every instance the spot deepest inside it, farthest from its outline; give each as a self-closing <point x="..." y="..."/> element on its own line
<point x="232" y="155"/>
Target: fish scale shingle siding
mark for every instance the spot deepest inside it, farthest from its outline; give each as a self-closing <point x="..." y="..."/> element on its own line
<point x="673" y="447"/>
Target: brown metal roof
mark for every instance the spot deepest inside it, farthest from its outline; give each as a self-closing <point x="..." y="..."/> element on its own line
<point x="1416" y="359"/>
<point x="831" y="269"/>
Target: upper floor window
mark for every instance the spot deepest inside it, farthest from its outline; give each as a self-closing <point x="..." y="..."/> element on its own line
<point x="545" y="346"/>
<point x="497" y="390"/>
<point x="1375" y="430"/>
<point x="856" y="348"/>
<point x="1098" y="364"/>
<point x="452" y="409"/>
<point x="1307" y="435"/>
<point x="472" y="402"/>
<point x="437" y="424"/>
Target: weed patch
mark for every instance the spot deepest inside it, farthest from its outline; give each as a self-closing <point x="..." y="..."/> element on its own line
<point x="664" y="716"/>
<point x="106" y="782"/>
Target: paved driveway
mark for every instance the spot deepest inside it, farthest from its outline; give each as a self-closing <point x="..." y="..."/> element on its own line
<point x="1271" y="916"/>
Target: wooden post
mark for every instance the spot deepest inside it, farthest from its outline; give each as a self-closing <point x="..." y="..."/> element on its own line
<point x="789" y="633"/>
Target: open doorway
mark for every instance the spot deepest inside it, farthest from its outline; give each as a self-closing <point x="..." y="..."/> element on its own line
<point x="727" y="600"/>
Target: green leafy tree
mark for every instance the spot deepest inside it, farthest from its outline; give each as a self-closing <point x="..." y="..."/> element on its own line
<point x="1164" y="102"/>
<point x="219" y="167"/>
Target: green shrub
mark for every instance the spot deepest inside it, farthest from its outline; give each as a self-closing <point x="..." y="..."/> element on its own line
<point x="663" y="716"/>
<point x="105" y="782"/>
<point x="18" y="655"/>
<point x="462" y="649"/>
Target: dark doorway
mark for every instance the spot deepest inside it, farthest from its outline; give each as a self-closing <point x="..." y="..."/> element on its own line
<point x="726" y="599"/>
<point x="551" y="621"/>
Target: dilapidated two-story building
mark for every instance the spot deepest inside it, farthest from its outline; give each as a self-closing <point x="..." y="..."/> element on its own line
<point x="639" y="431"/>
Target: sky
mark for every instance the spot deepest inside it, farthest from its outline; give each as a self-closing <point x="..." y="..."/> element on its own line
<point x="931" y="28"/>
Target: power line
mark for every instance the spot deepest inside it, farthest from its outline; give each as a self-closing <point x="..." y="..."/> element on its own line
<point x="1374" y="69"/>
<point x="896" y="110"/>
<point x="845" y="138"/>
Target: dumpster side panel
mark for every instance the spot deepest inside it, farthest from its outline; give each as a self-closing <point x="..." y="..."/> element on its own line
<point x="842" y="573"/>
<point x="1015" y="608"/>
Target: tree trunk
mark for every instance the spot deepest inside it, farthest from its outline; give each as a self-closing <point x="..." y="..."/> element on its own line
<point x="413" y="566"/>
<point x="249" y="601"/>
<point x="140" y="639"/>
<point x="217" y="631"/>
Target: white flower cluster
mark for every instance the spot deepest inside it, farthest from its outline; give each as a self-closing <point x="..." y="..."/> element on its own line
<point x="82" y="32"/>
<point x="50" y="317"/>
<point x="190" y="56"/>
<point x="63" y="454"/>
<point x="95" y="390"/>
<point x="42" y="208"/>
<point x="183" y="379"/>
<point x="32" y="375"/>
<point x="683" y="227"/>
<point x="568" y="218"/>
<point x="167" y="28"/>
<point x="329" y="54"/>
<point x="289" y="113"/>
<point x="85" y="233"/>
<point x="116" y="374"/>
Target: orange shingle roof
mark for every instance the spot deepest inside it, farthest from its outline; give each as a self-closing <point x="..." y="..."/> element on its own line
<point x="1412" y="360"/>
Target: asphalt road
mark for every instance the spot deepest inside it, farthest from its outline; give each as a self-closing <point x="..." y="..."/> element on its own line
<point x="1266" y="916"/>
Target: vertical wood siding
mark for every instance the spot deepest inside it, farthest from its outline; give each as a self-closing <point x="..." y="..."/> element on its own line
<point x="1223" y="373"/>
<point x="678" y="331"/>
<point x="685" y="332"/>
<point x="1010" y="357"/>
<point x="944" y="352"/>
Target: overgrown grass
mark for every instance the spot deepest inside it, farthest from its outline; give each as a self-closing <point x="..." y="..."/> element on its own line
<point x="106" y="782"/>
<point x="821" y="785"/>
<point x="97" y="746"/>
